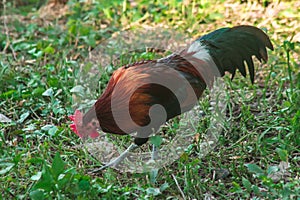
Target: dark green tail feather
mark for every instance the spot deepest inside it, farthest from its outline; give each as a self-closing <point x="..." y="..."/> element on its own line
<point x="230" y="48"/>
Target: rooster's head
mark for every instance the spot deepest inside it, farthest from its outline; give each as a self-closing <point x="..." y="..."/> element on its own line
<point x="84" y="129"/>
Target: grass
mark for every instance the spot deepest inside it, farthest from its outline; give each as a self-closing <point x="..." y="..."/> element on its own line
<point x="40" y="158"/>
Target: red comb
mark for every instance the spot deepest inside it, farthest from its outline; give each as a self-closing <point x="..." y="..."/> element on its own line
<point x="77" y="119"/>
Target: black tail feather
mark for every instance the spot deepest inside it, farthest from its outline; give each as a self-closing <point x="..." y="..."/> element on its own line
<point x="232" y="48"/>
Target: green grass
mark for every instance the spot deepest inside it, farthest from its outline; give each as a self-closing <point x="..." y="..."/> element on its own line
<point x="40" y="158"/>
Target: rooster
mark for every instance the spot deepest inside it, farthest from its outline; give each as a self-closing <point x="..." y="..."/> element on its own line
<point x="141" y="97"/>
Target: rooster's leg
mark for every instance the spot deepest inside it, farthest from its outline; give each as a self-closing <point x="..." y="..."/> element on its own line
<point x="154" y="152"/>
<point x="119" y="159"/>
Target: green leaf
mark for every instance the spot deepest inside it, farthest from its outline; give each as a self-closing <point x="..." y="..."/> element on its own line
<point x="53" y="82"/>
<point x="46" y="181"/>
<point x="296" y="124"/>
<point x="7" y="169"/>
<point x="254" y="169"/>
<point x="48" y="93"/>
<point x="156" y="140"/>
<point x="153" y="191"/>
<point x="23" y="117"/>
<point x="32" y="51"/>
<point x="272" y="169"/>
<point x="17" y="158"/>
<point x="236" y="188"/>
<point x="163" y="187"/>
<point x="58" y="166"/>
<point x="84" y="185"/>
<point x="8" y="94"/>
<point x="283" y="154"/>
<point x="247" y="184"/>
<point x="36" y="177"/>
<point x="35" y="160"/>
<point x="49" y="50"/>
<point x="78" y="89"/>
<point x="37" y="194"/>
<point x="256" y="190"/>
<point x="38" y="54"/>
<point x="288" y="45"/>
<point x="4" y="119"/>
<point x="50" y="129"/>
<point x="153" y="175"/>
<point x="38" y="91"/>
<point x="184" y="157"/>
<point x="90" y="40"/>
<point x="47" y="127"/>
<point x="64" y="180"/>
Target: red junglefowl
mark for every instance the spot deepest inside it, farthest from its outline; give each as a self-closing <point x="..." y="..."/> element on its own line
<point x="140" y="97"/>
